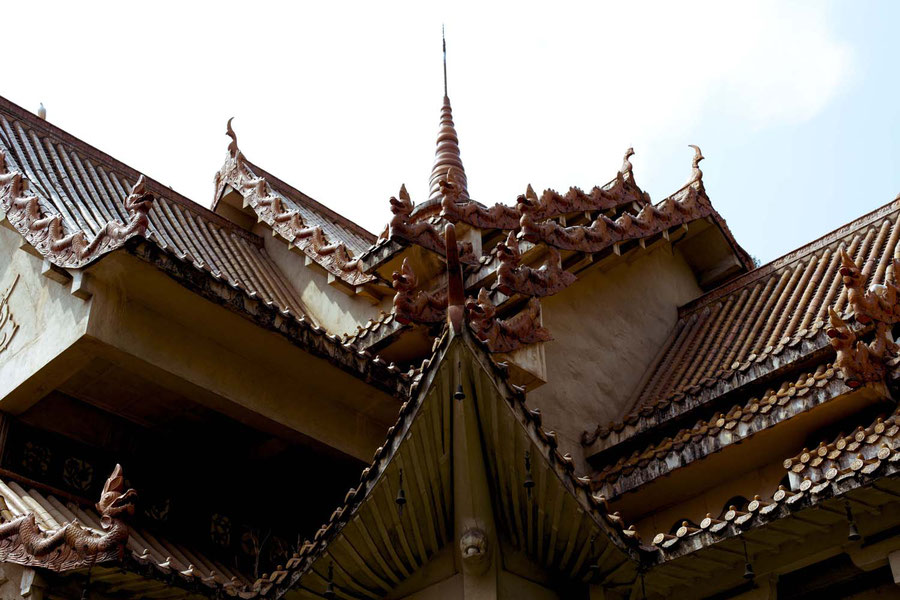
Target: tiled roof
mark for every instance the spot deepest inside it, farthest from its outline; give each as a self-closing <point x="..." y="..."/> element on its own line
<point x="336" y="226"/>
<point x="518" y="427"/>
<point x="88" y="189"/>
<point x="322" y="235"/>
<point x="164" y="559"/>
<point x="722" y="429"/>
<point x="208" y="254"/>
<point x="752" y="321"/>
<point x="828" y="471"/>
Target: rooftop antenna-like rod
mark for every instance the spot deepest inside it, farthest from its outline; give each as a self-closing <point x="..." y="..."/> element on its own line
<point x="444" y="41"/>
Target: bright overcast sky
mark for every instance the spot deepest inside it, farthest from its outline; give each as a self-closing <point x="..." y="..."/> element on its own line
<point x="795" y="105"/>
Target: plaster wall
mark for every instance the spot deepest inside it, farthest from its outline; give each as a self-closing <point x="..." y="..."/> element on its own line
<point x="43" y="320"/>
<point x="330" y="307"/>
<point x="147" y="323"/>
<point x="608" y="328"/>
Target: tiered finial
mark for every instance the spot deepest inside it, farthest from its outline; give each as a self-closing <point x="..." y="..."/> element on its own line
<point x="447" y="161"/>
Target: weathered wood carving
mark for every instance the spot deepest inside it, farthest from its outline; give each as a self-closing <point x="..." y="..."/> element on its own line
<point x="47" y="233"/>
<point x="515" y="278"/>
<point x="505" y="335"/>
<point x="72" y="546"/>
<point x="412" y="305"/>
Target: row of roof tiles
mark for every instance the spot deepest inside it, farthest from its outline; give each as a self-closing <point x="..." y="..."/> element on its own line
<point x="88" y="190"/>
<point x="756" y="318"/>
<point x="166" y="558"/>
<point x="721" y="429"/>
<point x="866" y="453"/>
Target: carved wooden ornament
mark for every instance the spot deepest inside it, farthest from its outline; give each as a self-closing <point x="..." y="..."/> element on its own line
<point x="514" y="278"/>
<point x="47" y="233"/>
<point x="72" y="546"/>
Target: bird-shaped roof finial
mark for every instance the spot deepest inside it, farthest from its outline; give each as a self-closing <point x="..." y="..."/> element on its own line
<point x="232" y="145"/>
<point x="42" y="112"/>
<point x="696" y="173"/>
<point x="626" y="164"/>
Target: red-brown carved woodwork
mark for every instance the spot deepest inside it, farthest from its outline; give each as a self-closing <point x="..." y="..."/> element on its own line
<point x="421" y="233"/>
<point x="72" y="546"/>
<point x="505" y="335"/>
<point x="412" y="305"/>
<point x="47" y="233"/>
<point x="860" y="363"/>
<point x="287" y="222"/>
<point x="604" y="232"/>
<point x="515" y="278"/>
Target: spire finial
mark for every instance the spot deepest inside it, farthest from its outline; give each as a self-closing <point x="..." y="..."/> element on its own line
<point x="444" y="43"/>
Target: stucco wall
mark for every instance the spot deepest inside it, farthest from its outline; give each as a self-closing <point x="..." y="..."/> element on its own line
<point x="607" y="328"/>
<point x="48" y="317"/>
<point x="329" y="306"/>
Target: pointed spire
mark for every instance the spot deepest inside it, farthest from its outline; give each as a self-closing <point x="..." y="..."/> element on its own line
<point x="447" y="162"/>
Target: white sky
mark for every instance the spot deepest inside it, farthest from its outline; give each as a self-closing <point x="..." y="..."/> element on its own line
<point x="342" y="99"/>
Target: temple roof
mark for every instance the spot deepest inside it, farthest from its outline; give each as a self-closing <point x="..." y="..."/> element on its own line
<point x="139" y="560"/>
<point x="74" y="204"/>
<point x="758" y="323"/>
<point x="89" y="189"/>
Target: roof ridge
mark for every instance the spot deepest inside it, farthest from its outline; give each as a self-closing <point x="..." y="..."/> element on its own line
<point x="159" y="189"/>
<point x="790" y="257"/>
<point x="315" y="204"/>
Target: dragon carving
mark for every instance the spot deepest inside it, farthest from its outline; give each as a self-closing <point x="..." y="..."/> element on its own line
<point x="72" y="546"/>
<point x="515" y="278"/>
<point x="860" y="363"/>
<point x="505" y="335"/>
<point x="412" y="305"/>
<point x="270" y="207"/>
<point x="878" y="303"/>
<point x="421" y="233"/>
<point x="47" y="233"/>
<point x="604" y="232"/>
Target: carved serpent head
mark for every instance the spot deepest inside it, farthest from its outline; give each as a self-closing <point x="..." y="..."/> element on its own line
<point x="116" y="501"/>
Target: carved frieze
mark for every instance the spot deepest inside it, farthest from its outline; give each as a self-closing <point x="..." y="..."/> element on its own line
<point x="515" y="278"/>
<point x="23" y="541"/>
<point x="604" y="232"/>
<point x="289" y="223"/>
<point x="47" y="233"/>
